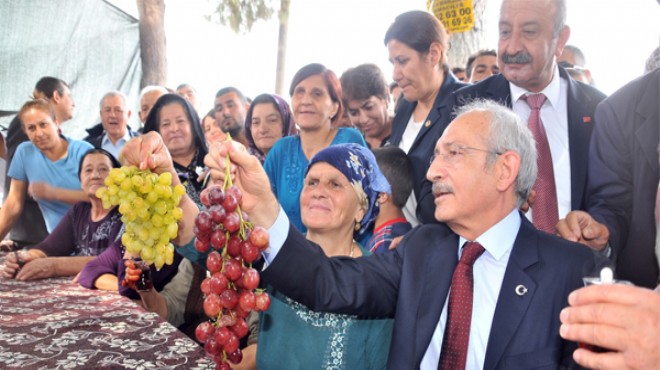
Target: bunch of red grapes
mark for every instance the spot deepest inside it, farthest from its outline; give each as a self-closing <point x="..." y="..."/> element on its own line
<point x="230" y="293"/>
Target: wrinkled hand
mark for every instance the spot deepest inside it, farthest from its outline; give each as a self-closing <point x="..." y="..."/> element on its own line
<point x="622" y="318"/>
<point x="247" y="173"/>
<point x="202" y="176"/>
<point x="14" y="261"/>
<point x="7" y="245"/>
<point x="580" y="227"/>
<point x="39" y="268"/>
<point x="395" y="242"/>
<point x="40" y="190"/>
<point x="530" y="201"/>
<point x="11" y="266"/>
<point x="132" y="275"/>
<point x="148" y="151"/>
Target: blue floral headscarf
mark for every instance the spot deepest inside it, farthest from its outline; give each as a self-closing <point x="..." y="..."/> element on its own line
<point x="359" y="165"/>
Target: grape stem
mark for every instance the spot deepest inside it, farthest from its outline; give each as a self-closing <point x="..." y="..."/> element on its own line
<point x="224" y="249"/>
<point x="228" y="184"/>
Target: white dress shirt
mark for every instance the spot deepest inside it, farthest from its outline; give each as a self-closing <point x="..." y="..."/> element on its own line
<point x="277" y="235"/>
<point x="488" y="273"/>
<point x="407" y="139"/>
<point x="554" y="115"/>
<point x="114" y="148"/>
<point x="410" y="134"/>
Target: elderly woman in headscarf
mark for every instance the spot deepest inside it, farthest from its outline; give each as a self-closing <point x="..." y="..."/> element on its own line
<point x="268" y="120"/>
<point x="178" y="124"/>
<point x="338" y="203"/>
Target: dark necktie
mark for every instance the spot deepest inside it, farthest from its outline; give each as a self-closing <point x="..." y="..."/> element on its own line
<point x="545" y="214"/>
<point x="459" y="311"/>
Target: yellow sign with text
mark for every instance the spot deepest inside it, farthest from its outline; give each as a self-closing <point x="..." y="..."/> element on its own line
<point x="455" y="15"/>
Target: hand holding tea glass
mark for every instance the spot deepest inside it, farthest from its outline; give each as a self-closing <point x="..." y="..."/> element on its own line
<point x="617" y="324"/>
<point x="138" y="275"/>
<point x="15" y="260"/>
<point x="8" y="245"/>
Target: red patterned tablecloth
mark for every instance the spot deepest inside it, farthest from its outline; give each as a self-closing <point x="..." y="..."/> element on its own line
<point x="55" y="324"/>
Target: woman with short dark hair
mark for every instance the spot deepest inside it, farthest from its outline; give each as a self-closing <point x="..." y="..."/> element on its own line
<point x="417" y="44"/>
<point x="316" y="100"/>
<point x="367" y="99"/>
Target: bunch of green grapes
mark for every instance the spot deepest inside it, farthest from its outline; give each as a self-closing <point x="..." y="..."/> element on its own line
<point x="149" y="206"/>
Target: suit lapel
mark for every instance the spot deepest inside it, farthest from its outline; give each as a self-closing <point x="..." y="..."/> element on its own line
<point x="647" y="112"/>
<point x="499" y="91"/>
<point x="580" y="124"/>
<point x="511" y="307"/>
<point x="401" y="121"/>
<point x="439" y="106"/>
<point x="437" y="275"/>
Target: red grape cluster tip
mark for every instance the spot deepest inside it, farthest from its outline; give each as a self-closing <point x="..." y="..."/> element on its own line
<point x="231" y="292"/>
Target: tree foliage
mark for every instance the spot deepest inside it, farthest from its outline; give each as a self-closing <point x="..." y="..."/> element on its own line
<point x="240" y="15"/>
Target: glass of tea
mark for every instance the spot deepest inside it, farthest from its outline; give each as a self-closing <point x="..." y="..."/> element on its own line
<point x="144" y="283"/>
<point x="606" y="276"/>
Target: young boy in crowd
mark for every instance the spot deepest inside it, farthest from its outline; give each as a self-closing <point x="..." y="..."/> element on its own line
<point x="391" y="223"/>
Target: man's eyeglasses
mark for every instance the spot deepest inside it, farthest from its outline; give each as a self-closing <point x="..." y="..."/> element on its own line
<point x="455" y="152"/>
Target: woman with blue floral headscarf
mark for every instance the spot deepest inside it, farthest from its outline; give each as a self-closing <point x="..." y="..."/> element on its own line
<point x="338" y="203"/>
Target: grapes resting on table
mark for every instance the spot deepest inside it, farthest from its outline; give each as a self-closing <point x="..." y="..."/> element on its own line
<point x="230" y="293"/>
<point x="149" y="206"/>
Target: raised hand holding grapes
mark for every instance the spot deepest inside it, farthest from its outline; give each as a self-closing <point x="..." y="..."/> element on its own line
<point x="248" y="175"/>
<point x="230" y="293"/>
<point x="148" y="151"/>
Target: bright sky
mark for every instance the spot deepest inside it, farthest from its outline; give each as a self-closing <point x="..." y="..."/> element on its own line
<point x="616" y="36"/>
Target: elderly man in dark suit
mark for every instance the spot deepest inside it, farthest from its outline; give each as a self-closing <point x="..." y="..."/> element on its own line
<point x="623" y="182"/>
<point x="502" y="310"/>
<point x="532" y="35"/>
<point x="113" y="131"/>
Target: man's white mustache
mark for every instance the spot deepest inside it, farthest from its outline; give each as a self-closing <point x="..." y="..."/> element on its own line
<point x="440" y="188"/>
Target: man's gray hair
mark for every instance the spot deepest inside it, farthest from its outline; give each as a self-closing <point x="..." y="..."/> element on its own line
<point x="653" y="61"/>
<point x="507" y="131"/>
<point x="112" y="94"/>
<point x="580" y="60"/>
<point x="147" y="89"/>
<point x="560" y="16"/>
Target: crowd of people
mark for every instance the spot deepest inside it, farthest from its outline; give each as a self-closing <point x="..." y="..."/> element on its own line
<point x="438" y="221"/>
